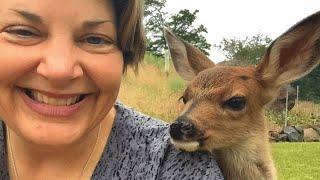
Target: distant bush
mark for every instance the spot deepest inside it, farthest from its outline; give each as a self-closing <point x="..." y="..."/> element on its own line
<point x="248" y="51"/>
<point x="176" y="85"/>
<point x="303" y="113"/>
<point x="309" y="86"/>
<point x="156" y="61"/>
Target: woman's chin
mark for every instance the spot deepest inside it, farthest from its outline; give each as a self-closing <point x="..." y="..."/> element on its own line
<point x="51" y="136"/>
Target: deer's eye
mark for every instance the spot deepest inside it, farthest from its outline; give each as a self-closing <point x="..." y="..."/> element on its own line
<point x="236" y="103"/>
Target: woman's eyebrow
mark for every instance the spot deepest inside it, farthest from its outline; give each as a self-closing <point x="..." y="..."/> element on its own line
<point x="28" y="16"/>
<point x="94" y="23"/>
<point x="38" y="20"/>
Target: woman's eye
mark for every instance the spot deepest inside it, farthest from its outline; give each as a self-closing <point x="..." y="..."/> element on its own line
<point x="23" y="32"/>
<point x="22" y="35"/>
<point x="95" y="43"/>
<point x="97" y="40"/>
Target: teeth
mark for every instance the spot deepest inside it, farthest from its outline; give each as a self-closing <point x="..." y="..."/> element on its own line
<point x="37" y="96"/>
<point x="74" y="99"/>
<point x="69" y="101"/>
<point x="45" y="99"/>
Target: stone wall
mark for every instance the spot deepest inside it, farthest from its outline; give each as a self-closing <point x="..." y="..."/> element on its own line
<point x="310" y="133"/>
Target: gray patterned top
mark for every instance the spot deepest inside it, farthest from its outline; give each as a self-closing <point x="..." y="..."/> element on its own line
<point x="138" y="148"/>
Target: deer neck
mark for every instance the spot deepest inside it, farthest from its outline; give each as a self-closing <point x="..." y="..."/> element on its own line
<point x="249" y="160"/>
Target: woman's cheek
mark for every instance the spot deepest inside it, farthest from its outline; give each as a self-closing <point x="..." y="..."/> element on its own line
<point x="106" y="72"/>
<point x="15" y="61"/>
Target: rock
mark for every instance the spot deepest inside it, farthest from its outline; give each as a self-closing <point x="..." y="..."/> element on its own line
<point x="293" y="134"/>
<point x="299" y="129"/>
<point x="273" y="136"/>
<point x="317" y="129"/>
<point x="282" y="137"/>
<point x="274" y="130"/>
<point x="311" y="135"/>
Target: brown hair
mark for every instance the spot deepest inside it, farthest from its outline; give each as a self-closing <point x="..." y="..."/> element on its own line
<point x="131" y="36"/>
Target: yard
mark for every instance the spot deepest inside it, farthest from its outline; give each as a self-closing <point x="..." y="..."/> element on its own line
<point x="297" y="161"/>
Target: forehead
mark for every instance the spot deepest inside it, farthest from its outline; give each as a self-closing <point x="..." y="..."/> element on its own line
<point x="222" y="75"/>
<point x="56" y="9"/>
<point x="225" y="81"/>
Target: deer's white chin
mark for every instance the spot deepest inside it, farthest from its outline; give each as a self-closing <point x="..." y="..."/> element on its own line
<point x="189" y="146"/>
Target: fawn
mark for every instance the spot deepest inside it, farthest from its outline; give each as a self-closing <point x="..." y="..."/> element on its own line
<point x="224" y="105"/>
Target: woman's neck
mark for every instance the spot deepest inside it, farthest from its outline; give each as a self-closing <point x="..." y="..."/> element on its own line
<point x="74" y="160"/>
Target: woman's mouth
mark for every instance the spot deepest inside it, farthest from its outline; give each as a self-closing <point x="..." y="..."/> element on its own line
<point x="42" y="98"/>
<point x="52" y="104"/>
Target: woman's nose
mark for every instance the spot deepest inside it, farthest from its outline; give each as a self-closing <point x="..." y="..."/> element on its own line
<point x="60" y="62"/>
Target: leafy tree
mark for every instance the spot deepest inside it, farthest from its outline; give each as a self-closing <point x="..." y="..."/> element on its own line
<point x="245" y="52"/>
<point x="154" y="22"/>
<point x="309" y="86"/>
<point x="181" y="24"/>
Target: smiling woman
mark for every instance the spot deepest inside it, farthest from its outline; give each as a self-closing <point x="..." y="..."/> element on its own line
<point x="61" y="64"/>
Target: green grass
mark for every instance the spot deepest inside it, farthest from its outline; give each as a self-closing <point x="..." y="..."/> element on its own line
<point x="155" y="61"/>
<point x="176" y="85"/>
<point x="297" y="161"/>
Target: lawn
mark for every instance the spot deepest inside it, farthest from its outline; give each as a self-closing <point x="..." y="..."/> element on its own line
<point x="297" y="161"/>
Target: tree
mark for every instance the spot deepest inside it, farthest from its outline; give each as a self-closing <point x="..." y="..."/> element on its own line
<point x="245" y="52"/>
<point x="154" y="19"/>
<point x="181" y="24"/>
<point x="309" y="86"/>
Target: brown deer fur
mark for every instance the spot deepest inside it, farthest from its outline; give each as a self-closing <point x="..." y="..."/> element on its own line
<point x="239" y="137"/>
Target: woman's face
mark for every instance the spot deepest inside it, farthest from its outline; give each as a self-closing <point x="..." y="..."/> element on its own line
<point x="60" y="68"/>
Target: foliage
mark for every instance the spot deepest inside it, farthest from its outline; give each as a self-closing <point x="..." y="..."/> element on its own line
<point x="154" y="21"/>
<point x="181" y="24"/>
<point x="176" y="85"/>
<point x="245" y="52"/>
<point x="152" y="60"/>
<point x="309" y="86"/>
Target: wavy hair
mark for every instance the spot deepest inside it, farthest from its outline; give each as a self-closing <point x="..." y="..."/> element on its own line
<point x="130" y="30"/>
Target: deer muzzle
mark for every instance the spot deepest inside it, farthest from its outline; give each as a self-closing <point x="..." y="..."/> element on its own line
<point x="185" y="135"/>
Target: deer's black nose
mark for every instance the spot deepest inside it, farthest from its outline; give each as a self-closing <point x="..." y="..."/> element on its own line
<point x="182" y="128"/>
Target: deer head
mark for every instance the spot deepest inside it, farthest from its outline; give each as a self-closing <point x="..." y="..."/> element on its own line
<point x="224" y="104"/>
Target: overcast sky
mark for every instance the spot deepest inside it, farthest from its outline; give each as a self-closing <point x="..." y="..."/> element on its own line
<point x="241" y="18"/>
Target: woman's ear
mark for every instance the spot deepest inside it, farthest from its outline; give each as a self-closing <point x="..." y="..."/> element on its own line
<point x="292" y="55"/>
<point x="187" y="60"/>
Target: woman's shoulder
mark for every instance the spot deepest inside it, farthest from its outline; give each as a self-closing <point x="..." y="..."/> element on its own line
<point x="139" y="147"/>
<point x="182" y="165"/>
<point x="131" y="117"/>
<point x="4" y="174"/>
<point x="139" y="127"/>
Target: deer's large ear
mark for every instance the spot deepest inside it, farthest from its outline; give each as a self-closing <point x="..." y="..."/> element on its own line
<point x="293" y="54"/>
<point x="187" y="60"/>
